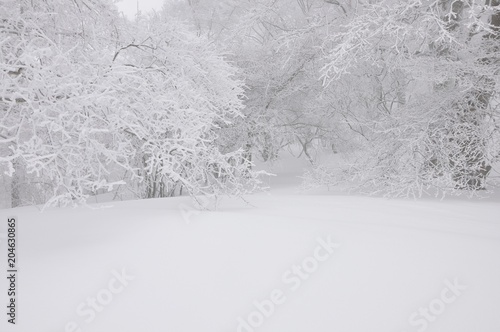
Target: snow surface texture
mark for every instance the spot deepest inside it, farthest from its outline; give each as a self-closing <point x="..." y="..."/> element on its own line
<point x="286" y="263"/>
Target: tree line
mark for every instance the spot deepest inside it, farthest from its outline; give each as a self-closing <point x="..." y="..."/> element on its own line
<point x="183" y="100"/>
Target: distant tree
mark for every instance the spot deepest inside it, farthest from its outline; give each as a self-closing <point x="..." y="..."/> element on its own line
<point x="276" y="46"/>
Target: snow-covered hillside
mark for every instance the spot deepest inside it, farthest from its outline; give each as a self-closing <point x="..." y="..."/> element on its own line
<point x="389" y="98"/>
<point x="285" y="262"/>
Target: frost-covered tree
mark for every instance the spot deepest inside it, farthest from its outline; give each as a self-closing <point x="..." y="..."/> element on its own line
<point x="51" y="134"/>
<point x="189" y="92"/>
<point x="276" y="45"/>
<point x="85" y="95"/>
<point x="425" y="107"/>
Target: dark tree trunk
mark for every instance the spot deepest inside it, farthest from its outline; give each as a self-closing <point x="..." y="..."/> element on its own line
<point x="470" y="166"/>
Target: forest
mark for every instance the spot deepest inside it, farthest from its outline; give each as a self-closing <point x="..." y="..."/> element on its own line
<point x="250" y="166"/>
<point x="184" y="101"/>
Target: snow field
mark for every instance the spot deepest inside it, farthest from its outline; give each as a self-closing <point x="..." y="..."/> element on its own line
<point x="395" y="259"/>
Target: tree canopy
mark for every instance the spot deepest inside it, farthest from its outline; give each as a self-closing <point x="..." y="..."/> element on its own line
<point x="182" y="101"/>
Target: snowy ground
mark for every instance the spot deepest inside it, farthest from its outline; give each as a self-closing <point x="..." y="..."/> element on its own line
<point x="288" y="262"/>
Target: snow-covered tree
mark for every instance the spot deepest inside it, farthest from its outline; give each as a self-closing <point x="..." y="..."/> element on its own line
<point x="426" y="112"/>
<point x="84" y="95"/>
<point x="276" y="46"/>
<point x="188" y="92"/>
<point x="407" y="86"/>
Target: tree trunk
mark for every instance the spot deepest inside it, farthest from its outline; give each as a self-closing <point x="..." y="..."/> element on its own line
<point x="470" y="167"/>
<point x="17" y="182"/>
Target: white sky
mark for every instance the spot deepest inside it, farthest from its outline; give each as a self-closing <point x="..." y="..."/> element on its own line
<point x="129" y="7"/>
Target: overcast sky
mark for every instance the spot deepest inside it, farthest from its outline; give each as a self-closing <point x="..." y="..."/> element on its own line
<point x="129" y="7"/>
